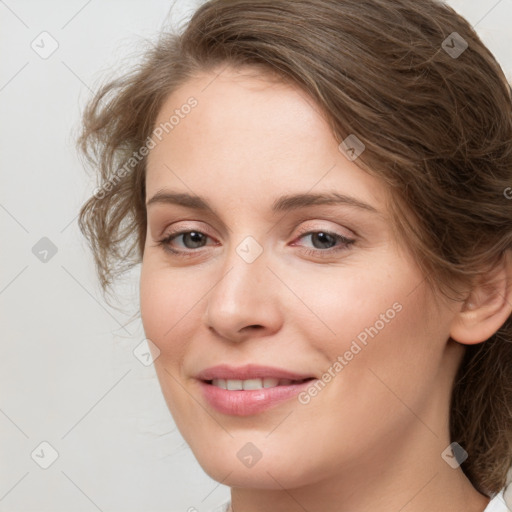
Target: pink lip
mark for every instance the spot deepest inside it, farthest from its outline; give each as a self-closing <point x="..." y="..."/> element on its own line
<point x="248" y="402"/>
<point x="249" y="371"/>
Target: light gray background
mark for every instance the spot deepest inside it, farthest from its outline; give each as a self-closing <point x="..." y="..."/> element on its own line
<point x="68" y="375"/>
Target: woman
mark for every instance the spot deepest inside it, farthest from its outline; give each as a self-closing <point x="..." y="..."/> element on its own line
<point x="318" y="192"/>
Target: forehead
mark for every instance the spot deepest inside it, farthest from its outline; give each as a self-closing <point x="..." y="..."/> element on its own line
<point x="252" y="136"/>
<point x="243" y="101"/>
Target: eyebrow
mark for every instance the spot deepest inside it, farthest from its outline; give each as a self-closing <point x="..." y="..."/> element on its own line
<point x="281" y="204"/>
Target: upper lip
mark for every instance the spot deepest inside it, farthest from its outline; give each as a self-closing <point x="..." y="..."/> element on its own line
<point x="250" y="371"/>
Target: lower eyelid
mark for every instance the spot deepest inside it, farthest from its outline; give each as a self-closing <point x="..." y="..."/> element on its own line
<point x="337" y="236"/>
<point x="343" y="243"/>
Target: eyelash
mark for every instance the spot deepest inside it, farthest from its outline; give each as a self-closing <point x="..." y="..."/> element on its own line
<point x="346" y="243"/>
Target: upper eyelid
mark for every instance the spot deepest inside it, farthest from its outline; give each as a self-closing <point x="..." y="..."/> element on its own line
<point x="301" y="230"/>
<point x="304" y="231"/>
<point x="307" y="230"/>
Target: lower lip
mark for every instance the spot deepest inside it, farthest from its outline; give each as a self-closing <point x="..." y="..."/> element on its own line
<point x="245" y="403"/>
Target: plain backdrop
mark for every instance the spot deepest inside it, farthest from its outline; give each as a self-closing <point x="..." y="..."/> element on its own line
<point x="83" y="423"/>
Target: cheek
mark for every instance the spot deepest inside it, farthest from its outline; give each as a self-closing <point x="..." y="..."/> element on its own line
<point x="167" y="314"/>
<point x="340" y="304"/>
<point x="378" y="322"/>
<point x="166" y="306"/>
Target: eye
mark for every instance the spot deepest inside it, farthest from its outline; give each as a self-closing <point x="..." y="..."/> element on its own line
<point x="321" y="238"/>
<point x="192" y="239"/>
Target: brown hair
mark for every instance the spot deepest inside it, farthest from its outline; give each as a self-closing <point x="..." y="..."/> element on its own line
<point x="437" y="128"/>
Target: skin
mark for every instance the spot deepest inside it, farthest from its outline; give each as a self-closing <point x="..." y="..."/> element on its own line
<point x="372" y="438"/>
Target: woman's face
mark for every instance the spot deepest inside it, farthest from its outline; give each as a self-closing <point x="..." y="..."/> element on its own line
<point x="263" y="279"/>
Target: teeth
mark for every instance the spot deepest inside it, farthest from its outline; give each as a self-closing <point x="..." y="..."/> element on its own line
<point x="234" y="384"/>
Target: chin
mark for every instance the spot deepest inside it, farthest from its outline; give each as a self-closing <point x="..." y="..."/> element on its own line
<point x="272" y="471"/>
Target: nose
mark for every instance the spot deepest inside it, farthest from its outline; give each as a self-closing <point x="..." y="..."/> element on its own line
<point x="244" y="301"/>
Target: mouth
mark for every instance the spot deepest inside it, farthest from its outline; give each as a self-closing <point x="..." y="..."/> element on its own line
<point x="254" y="384"/>
<point x="250" y="389"/>
<point x="250" y="372"/>
<point x="249" y="397"/>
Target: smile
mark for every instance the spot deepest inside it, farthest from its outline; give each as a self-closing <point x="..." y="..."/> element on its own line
<point x="251" y="396"/>
<point x="251" y="384"/>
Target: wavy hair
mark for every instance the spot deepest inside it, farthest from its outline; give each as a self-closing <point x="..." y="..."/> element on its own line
<point x="414" y="83"/>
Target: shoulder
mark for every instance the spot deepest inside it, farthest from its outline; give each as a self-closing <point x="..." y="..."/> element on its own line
<point x="500" y="502"/>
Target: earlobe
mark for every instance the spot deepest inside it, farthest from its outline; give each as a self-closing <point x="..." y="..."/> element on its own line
<point x="487" y="306"/>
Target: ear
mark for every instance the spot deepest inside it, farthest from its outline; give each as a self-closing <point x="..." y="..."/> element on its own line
<point x="487" y="306"/>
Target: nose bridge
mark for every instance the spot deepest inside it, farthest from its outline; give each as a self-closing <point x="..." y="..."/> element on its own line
<point x="244" y="272"/>
<point x="243" y="294"/>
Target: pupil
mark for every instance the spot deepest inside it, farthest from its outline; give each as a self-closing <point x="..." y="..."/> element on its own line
<point x="322" y="235"/>
<point x="192" y="235"/>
